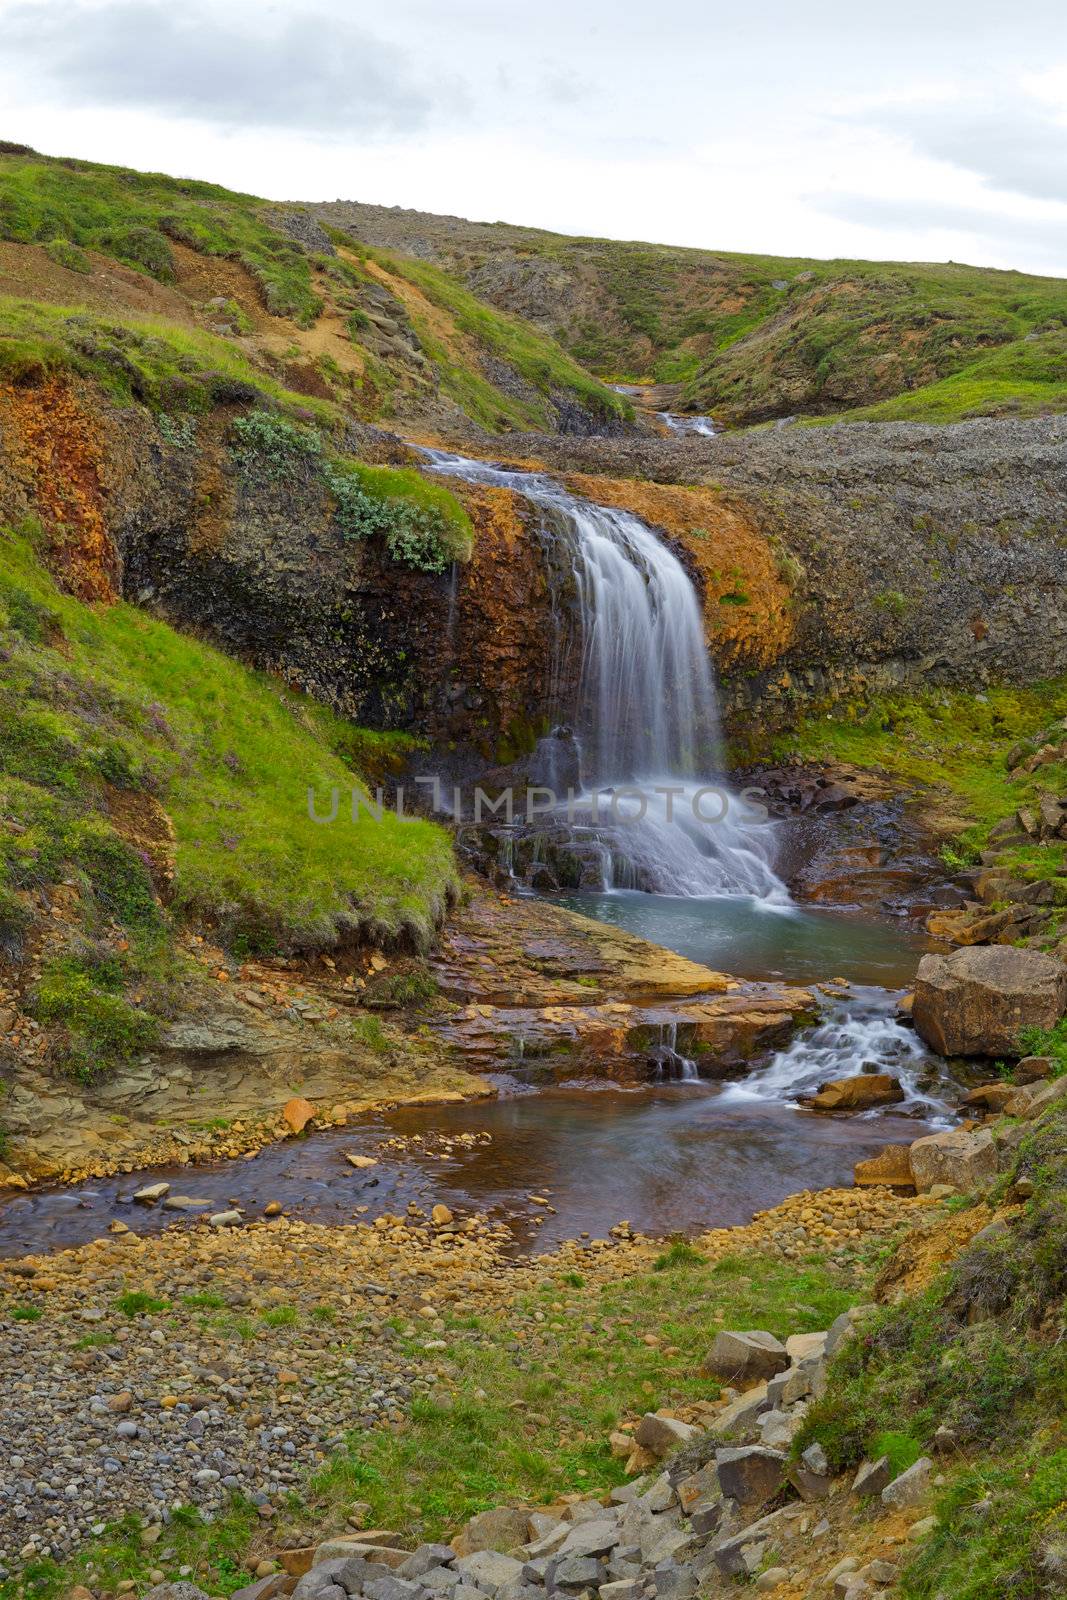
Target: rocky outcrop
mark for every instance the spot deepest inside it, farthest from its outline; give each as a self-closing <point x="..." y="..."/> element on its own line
<point x="978" y="1000"/>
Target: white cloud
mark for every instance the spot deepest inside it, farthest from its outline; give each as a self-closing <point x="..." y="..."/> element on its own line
<point x="828" y="129"/>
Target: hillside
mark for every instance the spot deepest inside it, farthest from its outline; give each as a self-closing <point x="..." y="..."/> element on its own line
<point x="751" y="337"/>
<point x="267" y="291"/>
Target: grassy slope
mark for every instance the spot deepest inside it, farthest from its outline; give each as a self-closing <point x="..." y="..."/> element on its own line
<point x="949" y="742"/>
<point x="94" y="701"/>
<point x="981" y="1351"/>
<point x="753" y="336"/>
<point x="70" y="207"/>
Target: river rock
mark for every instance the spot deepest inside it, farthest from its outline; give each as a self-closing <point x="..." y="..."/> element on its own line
<point x="976" y="1001"/>
<point x="963" y="1160"/>
<point x="737" y="1357"/>
<point x="890" y="1166"/>
<point x="855" y="1094"/>
<point x="297" y="1113"/>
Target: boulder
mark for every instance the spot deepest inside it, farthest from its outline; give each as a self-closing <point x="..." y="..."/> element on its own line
<point x="745" y="1357"/>
<point x="911" y="1488"/>
<point x="661" y="1435"/>
<point x="965" y="1161"/>
<point x="855" y="1094"/>
<point x="1031" y="1069"/>
<point x="890" y="1166"/>
<point x="1047" y="1095"/>
<point x="989" y="1096"/>
<point x="871" y="1477"/>
<point x="500" y="1529"/>
<point x="488" y="1569"/>
<point x="750" y="1475"/>
<point x="740" y="1554"/>
<point x="739" y="1417"/>
<point x="976" y="1001"/>
<point x="297" y="1113"/>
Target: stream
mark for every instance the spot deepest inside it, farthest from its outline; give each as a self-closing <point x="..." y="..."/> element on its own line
<point x="675" y="1154"/>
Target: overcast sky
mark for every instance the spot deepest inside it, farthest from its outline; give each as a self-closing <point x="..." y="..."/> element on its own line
<point x="929" y="129"/>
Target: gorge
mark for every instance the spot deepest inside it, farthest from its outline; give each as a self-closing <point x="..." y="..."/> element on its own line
<point x="360" y="1173"/>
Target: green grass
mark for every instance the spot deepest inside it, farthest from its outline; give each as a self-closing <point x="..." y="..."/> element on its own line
<point x="1002" y="1529"/>
<point x="523" y="1422"/>
<point x="1026" y="377"/>
<point x="981" y="1351"/>
<point x="1047" y="1042"/>
<point x="26" y="1313"/>
<point x="133" y="216"/>
<point x="946" y="740"/>
<point x="135" y="1303"/>
<point x="174" y="370"/>
<point x="97" y="697"/>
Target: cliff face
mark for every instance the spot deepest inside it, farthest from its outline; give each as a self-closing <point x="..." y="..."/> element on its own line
<point x="832" y="563"/>
<point x="911" y="556"/>
<point x="258" y="565"/>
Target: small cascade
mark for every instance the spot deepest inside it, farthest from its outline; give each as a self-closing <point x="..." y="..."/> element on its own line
<point x="641" y="737"/>
<point x="860" y="1032"/>
<point x="667" y="1058"/>
<point x="677" y="423"/>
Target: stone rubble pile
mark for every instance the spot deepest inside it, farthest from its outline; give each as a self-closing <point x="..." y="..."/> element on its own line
<point x="724" y="1503"/>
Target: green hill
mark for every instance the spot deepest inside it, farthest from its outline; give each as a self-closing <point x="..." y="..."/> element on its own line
<point x="315" y="316"/>
<point x="752" y="337"/>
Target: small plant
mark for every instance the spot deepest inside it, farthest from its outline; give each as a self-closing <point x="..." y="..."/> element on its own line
<point x="26" y="1313"/>
<point x="679" y="1254"/>
<point x="891" y="600"/>
<point x="274" y="446"/>
<point x="177" y="431"/>
<point x="204" y="1302"/>
<point x="281" y="1317"/>
<point x="957" y="858"/>
<point x="136" y="1303"/>
<point x="1050" y="1042"/>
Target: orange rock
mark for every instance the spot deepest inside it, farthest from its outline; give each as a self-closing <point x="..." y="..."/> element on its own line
<point x="890" y="1166"/>
<point x="298" y="1113"/>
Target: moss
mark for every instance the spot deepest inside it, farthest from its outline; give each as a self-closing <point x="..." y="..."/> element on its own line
<point x="100" y="1027"/>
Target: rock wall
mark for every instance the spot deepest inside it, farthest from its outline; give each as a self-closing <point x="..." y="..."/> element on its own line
<point x="258" y="566"/>
<point x="913" y="555"/>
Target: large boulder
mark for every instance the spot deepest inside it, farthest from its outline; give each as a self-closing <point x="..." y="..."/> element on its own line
<point x="890" y="1166"/>
<point x="855" y="1094"/>
<point x="501" y="1529"/>
<point x="738" y="1357"/>
<point x="966" y="1161"/>
<point x="751" y="1475"/>
<point x="976" y="1001"/>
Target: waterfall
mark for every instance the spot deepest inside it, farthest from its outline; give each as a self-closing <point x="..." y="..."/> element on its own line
<point x="644" y="713"/>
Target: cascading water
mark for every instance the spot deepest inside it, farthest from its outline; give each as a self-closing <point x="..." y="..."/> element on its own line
<point x="645" y="712"/>
<point x="677" y="422"/>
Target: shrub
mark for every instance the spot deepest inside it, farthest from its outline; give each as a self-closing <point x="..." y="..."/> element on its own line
<point x="66" y="254"/>
<point x="278" y="448"/>
<point x="142" y="247"/>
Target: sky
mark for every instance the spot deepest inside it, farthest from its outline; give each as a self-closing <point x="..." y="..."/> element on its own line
<point x="922" y="131"/>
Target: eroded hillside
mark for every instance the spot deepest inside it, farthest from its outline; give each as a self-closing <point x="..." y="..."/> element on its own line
<point x="750" y="337"/>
